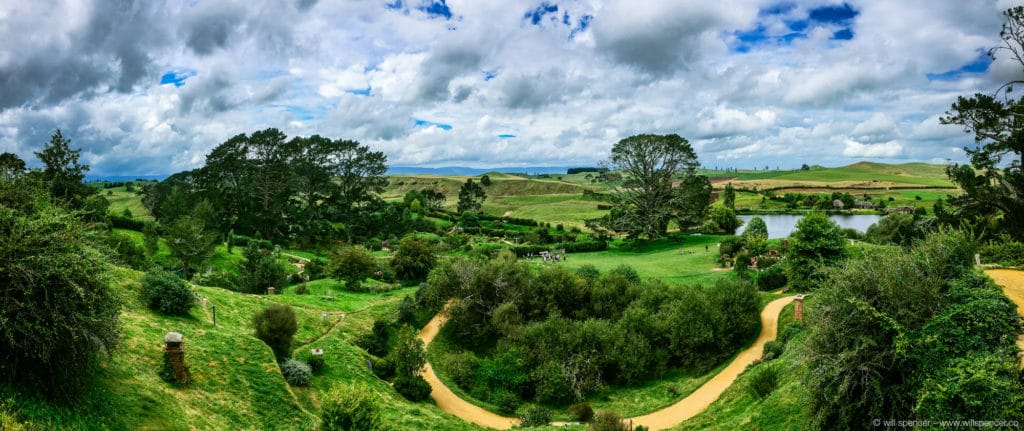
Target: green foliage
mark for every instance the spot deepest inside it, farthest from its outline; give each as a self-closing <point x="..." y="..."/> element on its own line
<point x="763" y="381"/>
<point x="896" y="228"/>
<point x="485" y="180"/>
<point x="376" y="341"/>
<point x="164" y="292"/>
<point x="408" y="354"/>
<point x="260" y="271"/>
<point x="63" y="175"/>
<point x="296" y="372"/>
<point x="190" y="243"/>
<point x="693" y="196"/>
<point x="315" y="269"/>
<point x="581" y="412"/>
<point x="150" y="239"/>
<point x="756" y="227"/>
<point x="351" y="264"/>
<point x="302" y="289"/>
<point x="126" y="251"/>
<point x="607" y="420"/>
<point x="535" y="417"/>
<point x="413" y="388"/>
<point x="911" y="334"/>
<point x="651" y="162"/>
<point x="471" y="197"/>
<point x="11" y="166"/>
<point x="817" y="242"/>
<point x="349" y="407"/>
<point x="721" y="220"/>
<point x="1006" y="253"/>
<point x="59" y="312"/>
<point x="276" y="326"/>
<point x="414" y="259"/>
<point x="729" y="196"/>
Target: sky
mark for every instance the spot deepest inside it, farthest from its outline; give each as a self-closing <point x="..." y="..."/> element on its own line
<point x="150" y="87"/>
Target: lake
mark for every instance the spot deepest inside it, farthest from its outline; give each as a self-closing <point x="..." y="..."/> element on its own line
<point x="781" y="225"/>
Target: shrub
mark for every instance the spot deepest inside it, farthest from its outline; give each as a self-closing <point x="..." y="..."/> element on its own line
<point x="607" y="420"/>
<point x="1006" y="254"/>
<point x="774" y="278"/>
<point x="375" y="342"/>
<point x="295" y="278"/>
<point x="349" y="408"/>
<point x="302" y="289"/>
<point x="413" y="260"/>
<point x="315" y="362"/>
<point x="276" y="326"/>
<point x="217" y="278"/>
<point x="506" y="401"/>
<point x="352" y="264"/>
<point x="535" y="417"/>
<point x="627" y="272"/>
<point x="296" y="372"/>
<point x="772" y="349"/>
<point x="413" y="388"/>
<point x="164" y="292"/>
<point x="383" y="367"/>
<point x="126" y="250"/>
<point x="763" y="380"/>
<point x="261" y="271"/>
<point x="581" y="412"/>
<point x="315" y="269"/>
<point x="461" y="368"/>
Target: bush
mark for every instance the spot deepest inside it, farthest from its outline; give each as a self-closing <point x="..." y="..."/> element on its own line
<point x="772" y="349"/>
<point x="217" y="278"/>
<point x="535" y="417"/>
<point x="260" y="271"/>
<point x="302" y="289"/>
<point x="352" y="264"/>
<point x="383" y="368"/>
<point x="349" y="408"/>
<point x="581" y="412"/>
<point x="1006" y="254"/>
<point x="122" y="222"/>
<point x="763" y="380"/>
<point x="126" y="250"/>
<point x="315" y="362"/>
<point x="413" y="388"/>
<point x="164" y="292"/>
<point x="772" y="279"/>
<point x="506" y="401"/>
<point x="276" y="326"/>
<point x="413" y="260"/>
<point x="461" y="368"/>
<point x="375" y="342"/>
<point x="315" y="269"/>
<point x="296" y="372"/>
<point x="607" y="420"/>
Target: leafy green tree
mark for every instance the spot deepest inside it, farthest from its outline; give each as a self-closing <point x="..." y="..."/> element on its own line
<point x="729" y="196"/>
<point x="60" y="315"/>
<point x="190" y="243"/>
<point x="408" y="354"/>
<point x="348" y="407"/>
<point x="993" y="184"/>
<point x="693" y="197"/>
<point x="166" y="293"/>
<point x="260" y="270"/>
<point x="895" y="228"/>
<point x="722" y="219"/>
<point x="351" y="264"/>
<point x="651" y="161"/>
<point x="485" y="180"/>
<point x="414" y="259"/>
<point x="816" y="243"/>
<point x="276" y="326"/>
<point x="11" y="166"/>
<point x="471" y="197"/>
<point x="62" y="172"/>
<point x="756" y="227"/>
<point x="150" y="239"/>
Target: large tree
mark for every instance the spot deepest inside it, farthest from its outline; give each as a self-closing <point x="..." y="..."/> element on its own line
<point x="993" y="184"/>
<point x="651" y="162"/>
<point x="471" y="196"/>
<point x="11" y="166"/>
<point x="62" y="172"/>
<point x="693" y="196"/>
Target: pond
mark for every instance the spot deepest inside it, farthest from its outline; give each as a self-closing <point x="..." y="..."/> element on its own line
<point x="781" y="225"/>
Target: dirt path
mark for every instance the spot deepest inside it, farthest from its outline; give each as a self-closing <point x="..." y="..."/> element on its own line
<point x="669" y="416"/>
<point x="1013" y="286"/>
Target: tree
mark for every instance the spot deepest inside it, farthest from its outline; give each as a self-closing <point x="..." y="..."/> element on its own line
<point x="276" y="325"/>
<point x="432" y="199"/>
<point x="804" y="167"/>
<point x="993" y="184"/>
<point x="722" y="219"/>
<point x="485" y="180"/>
<point x="693" y="197"/>
<point x="408" y="354"/>
<point x="895" y="228"/>
<point x="11" y="166"/>
<point x="166" y="293"/>
<point x="60" y="314"/>
<point x="729" y="196"/>
<point x="190" y="243"/>
<point x="150" y="239"/>
<point x="260" y="270"/>
<point x="817" y="242"/>
<point x="62" y="172"/>
<point x="756" y="228"/>
<point x="351" y="264"/>
<point x="471" y="197"/>
<point x="651" y="161"/>
<point x="413" y="260"/>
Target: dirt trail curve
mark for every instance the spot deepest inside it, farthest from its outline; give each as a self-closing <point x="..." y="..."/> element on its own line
<point x="667" y="417"/>
<point x="1013" y="286"/>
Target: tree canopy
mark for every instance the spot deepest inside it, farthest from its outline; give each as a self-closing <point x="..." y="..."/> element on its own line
<point x="993" y="184"/>
<point x="651" y="162"/>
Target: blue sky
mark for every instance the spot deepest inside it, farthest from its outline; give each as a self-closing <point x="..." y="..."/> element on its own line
<point x="153" y="88"/>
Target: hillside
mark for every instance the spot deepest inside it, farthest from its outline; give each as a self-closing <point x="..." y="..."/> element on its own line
<point x="863" y="175"/>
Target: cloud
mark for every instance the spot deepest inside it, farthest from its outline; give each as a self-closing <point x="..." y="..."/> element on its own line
<point x="855" y="149"/>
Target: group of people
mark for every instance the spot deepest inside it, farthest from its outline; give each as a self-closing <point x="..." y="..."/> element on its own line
<point x="549" y="256"/>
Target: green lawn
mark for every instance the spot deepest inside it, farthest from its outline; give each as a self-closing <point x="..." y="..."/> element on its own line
<point x="660" y="259"/>
<point x="120" y="199"/>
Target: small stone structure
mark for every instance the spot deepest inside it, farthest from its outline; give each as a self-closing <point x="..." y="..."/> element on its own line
<point x="174" y="357"/>
<point x="270" y="290"/>
<point x="798" y="308"/>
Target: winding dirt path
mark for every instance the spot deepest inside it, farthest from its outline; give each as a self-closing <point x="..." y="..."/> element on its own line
<point x="1013" y="286"/>
<point x="667" y="417"/>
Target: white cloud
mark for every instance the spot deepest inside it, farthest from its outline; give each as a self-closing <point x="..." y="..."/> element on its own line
<point x="855" y="149"/>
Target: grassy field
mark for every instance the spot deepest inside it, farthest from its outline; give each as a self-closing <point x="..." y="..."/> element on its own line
<point x="121" y="199"/>
<point x="660" y="259"/>
<point x="861" y="175"/>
